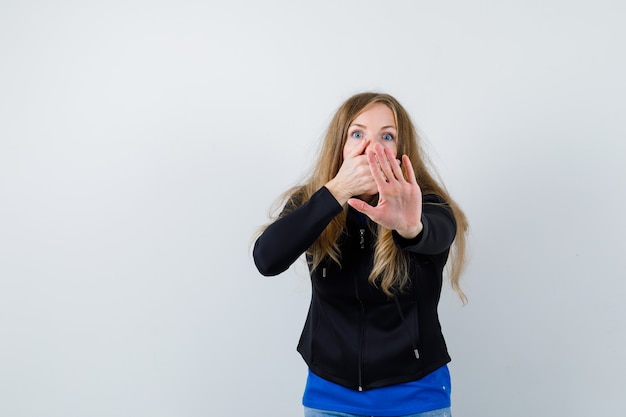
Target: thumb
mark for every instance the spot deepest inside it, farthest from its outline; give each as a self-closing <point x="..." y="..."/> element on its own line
<point x="361" y="206"/>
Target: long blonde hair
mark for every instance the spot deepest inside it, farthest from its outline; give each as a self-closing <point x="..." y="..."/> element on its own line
<point x="390" y="265"/>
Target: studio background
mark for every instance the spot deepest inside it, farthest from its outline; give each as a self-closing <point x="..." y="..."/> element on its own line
<point x="143" y="143"/>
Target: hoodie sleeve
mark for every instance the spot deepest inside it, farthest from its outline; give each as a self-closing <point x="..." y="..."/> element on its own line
<point x="439" y="229"/>
<point x="293" y="233"/>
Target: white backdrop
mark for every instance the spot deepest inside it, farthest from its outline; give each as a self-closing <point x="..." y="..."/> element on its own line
<point x="143" y="142"/>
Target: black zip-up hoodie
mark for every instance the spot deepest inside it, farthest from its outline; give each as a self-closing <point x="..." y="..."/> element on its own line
<point x="355" y="335"/>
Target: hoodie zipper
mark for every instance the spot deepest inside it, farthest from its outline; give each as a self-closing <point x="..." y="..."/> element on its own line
<point x="363" y="223"/>
<point x="362" y="335"/>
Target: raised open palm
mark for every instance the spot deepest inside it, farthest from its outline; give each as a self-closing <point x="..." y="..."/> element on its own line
<point x="400" y="199"/>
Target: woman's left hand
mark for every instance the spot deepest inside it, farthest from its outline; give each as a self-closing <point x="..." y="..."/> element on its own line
<point x="399" y="205"/>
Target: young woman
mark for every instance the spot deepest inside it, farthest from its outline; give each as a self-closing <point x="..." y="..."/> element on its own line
<point x="377" y="229"/>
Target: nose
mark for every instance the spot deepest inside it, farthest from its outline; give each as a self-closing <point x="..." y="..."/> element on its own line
<point x="372" y="143"/>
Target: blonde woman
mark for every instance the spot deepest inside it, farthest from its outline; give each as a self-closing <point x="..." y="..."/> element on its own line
<point x="377" y="229"/>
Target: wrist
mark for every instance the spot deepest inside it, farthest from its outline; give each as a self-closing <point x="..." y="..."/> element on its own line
<point x="338" y="192"/>
<point x="411" y="232"/>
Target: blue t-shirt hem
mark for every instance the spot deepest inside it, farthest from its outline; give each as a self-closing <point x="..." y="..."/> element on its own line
<point x="429" y="393"/>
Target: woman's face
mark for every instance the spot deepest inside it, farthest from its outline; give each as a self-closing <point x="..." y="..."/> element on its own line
<point x="375" y="124"/>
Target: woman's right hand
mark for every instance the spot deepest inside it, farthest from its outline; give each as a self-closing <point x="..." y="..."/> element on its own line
<point x="354" y="177"/>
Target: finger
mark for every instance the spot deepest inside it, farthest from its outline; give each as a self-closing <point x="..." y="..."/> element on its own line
<point x="359" y="150"/>
<point x="408" y="167"/>
<point x="394" y="164"/>
<point x="376" y="168"/>
<point x="388" y="168"/>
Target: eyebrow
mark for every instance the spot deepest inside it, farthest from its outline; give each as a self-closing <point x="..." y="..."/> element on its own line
<point x="384" y="127"/>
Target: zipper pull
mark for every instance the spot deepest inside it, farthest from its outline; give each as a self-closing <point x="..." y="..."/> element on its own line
<point x="362" y="241"/>
<point x="323" y="272"/>
<point x="417" y="354"/>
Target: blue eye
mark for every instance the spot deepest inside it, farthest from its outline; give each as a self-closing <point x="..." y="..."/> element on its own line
<point x="357" y="135"/>
<point x="388" y="137"/>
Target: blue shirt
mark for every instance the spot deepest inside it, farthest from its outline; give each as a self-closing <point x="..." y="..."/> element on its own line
<point x="429" y="393"/>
